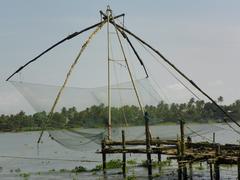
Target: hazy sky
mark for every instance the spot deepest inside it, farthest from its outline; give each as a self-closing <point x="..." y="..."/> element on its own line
<point x="202" y="38"/>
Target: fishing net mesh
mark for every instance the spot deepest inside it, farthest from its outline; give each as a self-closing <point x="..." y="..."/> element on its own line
<point x="81" y="114"/>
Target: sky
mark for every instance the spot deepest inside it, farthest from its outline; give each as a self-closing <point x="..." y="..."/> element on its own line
<point x="202" y="38"/>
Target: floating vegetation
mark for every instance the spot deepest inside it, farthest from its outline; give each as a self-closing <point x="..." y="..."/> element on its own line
<point x="132" y="162"/>
<point x="18" y="170"/>
<point x="52" y="170"/>
<point x="79" y="169"/>
<point x="24" y="175"/>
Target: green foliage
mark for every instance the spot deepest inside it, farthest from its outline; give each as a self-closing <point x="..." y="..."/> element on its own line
<point x="97" y="116"/>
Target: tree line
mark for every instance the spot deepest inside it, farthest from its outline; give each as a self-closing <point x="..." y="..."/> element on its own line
<point x="97" y="115"/>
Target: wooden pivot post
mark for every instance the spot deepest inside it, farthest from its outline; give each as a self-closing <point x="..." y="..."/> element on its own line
<point x="148" y="145"/>
<point x="103" y="156"/>
<point x="216" y="164"/>
<point x="123" y="155"/>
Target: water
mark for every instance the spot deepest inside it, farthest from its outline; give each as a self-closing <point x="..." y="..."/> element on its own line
<point x="20" y="156"/>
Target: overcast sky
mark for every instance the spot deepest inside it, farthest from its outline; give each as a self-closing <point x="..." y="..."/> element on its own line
<point x="202" y="38"/>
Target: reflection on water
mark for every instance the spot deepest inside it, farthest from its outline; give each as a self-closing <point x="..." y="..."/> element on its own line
<point x="52" y="156"/>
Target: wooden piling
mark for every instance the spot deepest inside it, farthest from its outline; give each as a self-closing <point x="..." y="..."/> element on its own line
<point x="182" y="144"/>
<point x="179" y="162"/>
<point x="238" y="165"/>
<point x="211" y="171"/>
<point x="159" y="154"/>
<point x="148" y="145"/>
<point x="214" y="137"/>
<point x="190" y="171"/>
<point x="182" y="147"/>
<point x="123" y="154"/>
<point x="103" y="156"/>
<point x="216" y="164"/>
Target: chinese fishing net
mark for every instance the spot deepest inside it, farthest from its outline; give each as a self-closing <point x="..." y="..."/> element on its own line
<point x="80" y="117"/>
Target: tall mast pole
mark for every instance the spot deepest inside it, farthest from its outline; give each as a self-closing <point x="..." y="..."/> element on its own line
<point x="109" y="13"/>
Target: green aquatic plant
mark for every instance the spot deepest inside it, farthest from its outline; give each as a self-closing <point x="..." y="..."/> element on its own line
<point x="132" y="162"/>
<point x="52" y="170"/>
<point x="112" y="164"/>
<point x="79" y="169"/>
<point x="18" y="170"/>
<point x="25" y="175"/>
<point x="156" y="164"/>
<point x="97" y="168"/>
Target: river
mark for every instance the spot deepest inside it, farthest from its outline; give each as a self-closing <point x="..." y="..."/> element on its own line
<point x="21" y="158"/>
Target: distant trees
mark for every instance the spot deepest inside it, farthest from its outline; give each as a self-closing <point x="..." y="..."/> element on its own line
<point x="97" y="116"/>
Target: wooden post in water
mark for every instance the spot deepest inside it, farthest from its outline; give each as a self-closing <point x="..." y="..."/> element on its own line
<point x="123" y="154"/>
<point x="159" y="154"/>
<point x="190" y="171"/>
<point x="214" y="137"/>
<point x="103" y="156"/>
<point x="182" y="146"/>
<point x="148" y="145"/>
<point x="238" y="165"/>
<point x="179" y="160"/>
<point x="159" y="157"/>
<point x="216" y="164"/>
<point x="211" y="171"/>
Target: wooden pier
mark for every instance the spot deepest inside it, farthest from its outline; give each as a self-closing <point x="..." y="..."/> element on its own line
<point x="186" y="153"/>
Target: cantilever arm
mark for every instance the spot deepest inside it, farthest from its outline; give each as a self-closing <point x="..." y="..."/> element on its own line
<point x="55" y="45"/>
<point x="182" y="74"/>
